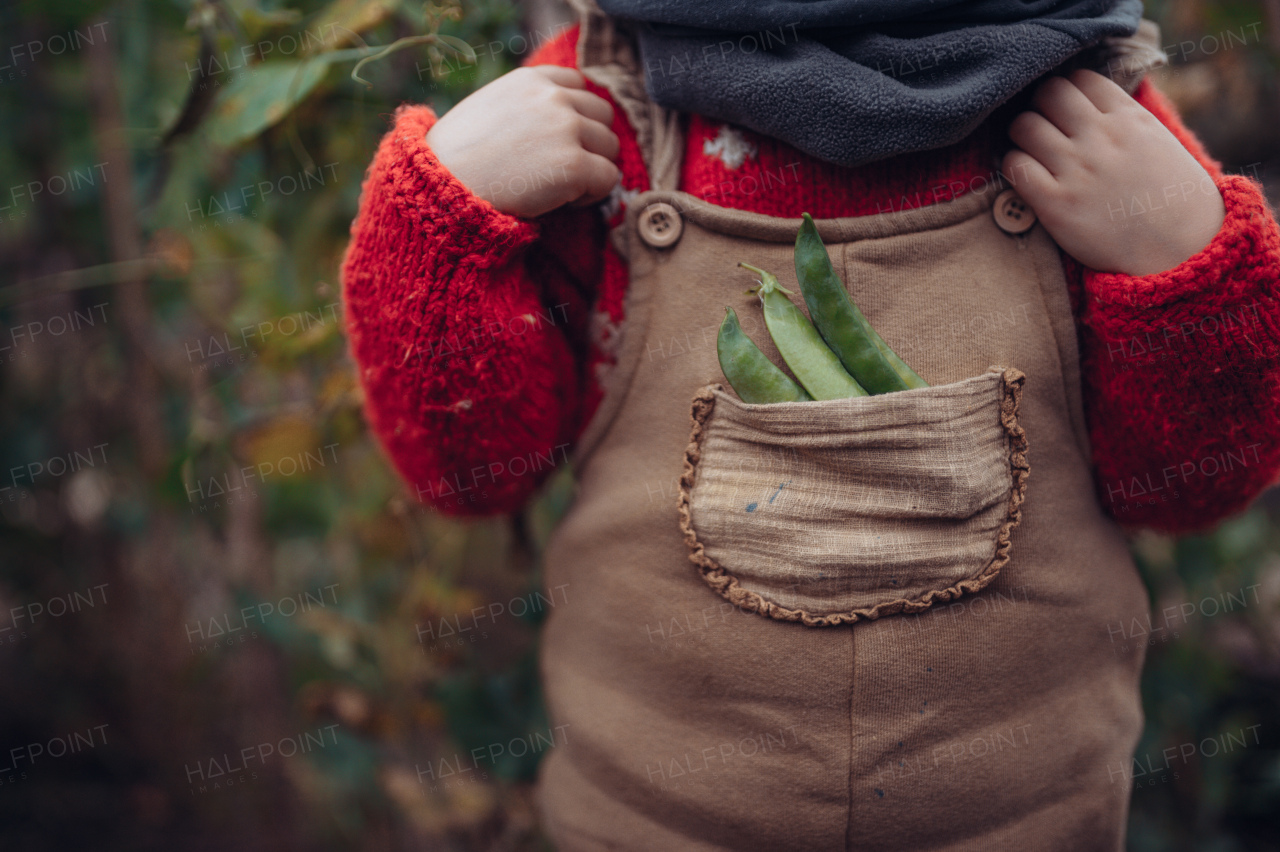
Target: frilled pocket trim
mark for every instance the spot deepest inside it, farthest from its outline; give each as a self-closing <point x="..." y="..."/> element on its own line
<point x="895" y="502"/>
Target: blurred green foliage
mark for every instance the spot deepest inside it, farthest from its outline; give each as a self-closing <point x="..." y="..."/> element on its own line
<point x="184" y="174"/>
<point x="246" y="139"/>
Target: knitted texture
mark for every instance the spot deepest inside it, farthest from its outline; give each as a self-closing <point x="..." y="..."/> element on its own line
<point x="480" y="336"/>
<point x="450" y="368"/>
<point x="736" y="167"/>
<point x="1182" y="375"/>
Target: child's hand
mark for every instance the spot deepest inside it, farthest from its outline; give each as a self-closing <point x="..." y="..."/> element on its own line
<point x="1084" y="156"/>
<point x="531" y="141"/>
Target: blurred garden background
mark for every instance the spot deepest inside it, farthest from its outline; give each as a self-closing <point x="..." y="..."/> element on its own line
<point x="223" y="622"/>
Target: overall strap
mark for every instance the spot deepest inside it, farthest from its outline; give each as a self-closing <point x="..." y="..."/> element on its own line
<point x="608" y="56"/>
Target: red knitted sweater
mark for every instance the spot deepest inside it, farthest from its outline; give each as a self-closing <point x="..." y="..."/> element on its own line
<point x="478" y="334"/>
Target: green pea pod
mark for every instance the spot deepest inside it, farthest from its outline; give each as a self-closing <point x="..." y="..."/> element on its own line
<point x="816" y="366"/>
<point x="841" y="324"/>
<point x="753" y="376"/>
<point x="908" y="375"/>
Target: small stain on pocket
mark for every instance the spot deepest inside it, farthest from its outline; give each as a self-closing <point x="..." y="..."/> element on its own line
<point x="751" y="507"/>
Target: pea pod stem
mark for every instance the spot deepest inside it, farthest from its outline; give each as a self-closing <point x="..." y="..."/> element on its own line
<point x="810" y="360"/>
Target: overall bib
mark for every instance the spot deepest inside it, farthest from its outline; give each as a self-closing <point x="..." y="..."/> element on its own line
<point x="880" y="623"/>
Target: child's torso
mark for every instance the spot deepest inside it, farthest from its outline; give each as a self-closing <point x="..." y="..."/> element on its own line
<point x="700" y="714"/>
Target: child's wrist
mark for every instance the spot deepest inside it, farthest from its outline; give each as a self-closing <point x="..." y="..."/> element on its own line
<point x="1173" y="241"/>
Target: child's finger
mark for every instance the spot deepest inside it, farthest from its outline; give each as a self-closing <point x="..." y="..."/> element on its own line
<point x="598" y="175"/>
<point x="570" y="77"/>
<point x="1102" y="91"/>
<point x="592" y="106"/>
<point x="1065" y="106"/>
<point x="1036" y="135"/>
<point x="599" y="139"/>
<point x="1026" y="174"/>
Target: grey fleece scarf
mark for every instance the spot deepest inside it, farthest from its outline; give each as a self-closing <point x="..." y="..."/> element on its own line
<point x="854" y="81"/>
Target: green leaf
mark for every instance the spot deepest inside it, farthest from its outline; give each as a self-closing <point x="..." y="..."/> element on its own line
<point x="260" y="97"/>
<point x="350" y="17"/>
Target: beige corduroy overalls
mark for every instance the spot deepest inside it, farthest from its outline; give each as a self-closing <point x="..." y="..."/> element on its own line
<point x="877" y="623"/>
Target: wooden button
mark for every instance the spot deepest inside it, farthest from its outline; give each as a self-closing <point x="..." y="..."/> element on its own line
<point x="1012" y="214"/>
<point x="660" y="224"/>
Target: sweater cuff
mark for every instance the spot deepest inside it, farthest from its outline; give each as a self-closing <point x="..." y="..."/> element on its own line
<point x="1224" y="271"/>
<point x="427" y="193"/>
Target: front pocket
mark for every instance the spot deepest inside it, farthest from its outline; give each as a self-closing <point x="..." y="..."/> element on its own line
<point x="833" y="511"/>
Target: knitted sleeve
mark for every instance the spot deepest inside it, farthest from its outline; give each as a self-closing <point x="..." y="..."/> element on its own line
<point x="467" y="325"/>
<point x="1182" y="368"/>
